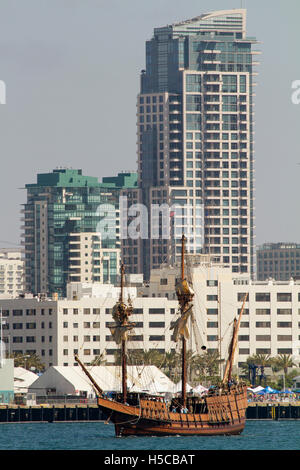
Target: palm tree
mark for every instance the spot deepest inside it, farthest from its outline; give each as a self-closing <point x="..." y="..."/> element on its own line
<point x="283" y="362"/>
<point x="170" y="364"/>
<point x="212" y="361"/>
<point x="28" y="361"/>
<point x="262" y="361"/>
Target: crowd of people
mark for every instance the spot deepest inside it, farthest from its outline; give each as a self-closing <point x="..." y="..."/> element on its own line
<point x="273" y="397"/>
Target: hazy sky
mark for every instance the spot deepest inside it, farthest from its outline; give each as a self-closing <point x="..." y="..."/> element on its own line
<point x="71" y="69"/>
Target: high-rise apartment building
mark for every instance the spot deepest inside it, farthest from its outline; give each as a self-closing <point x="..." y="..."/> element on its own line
<point x="11" y="272"/>
<point x="195" y="139"/>
<point x="71" y="230"/>
<point x="279" y="261"/>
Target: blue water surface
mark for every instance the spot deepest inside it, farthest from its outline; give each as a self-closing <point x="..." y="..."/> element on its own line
<point x="257" y="435"/>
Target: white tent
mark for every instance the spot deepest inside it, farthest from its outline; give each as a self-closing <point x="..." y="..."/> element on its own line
<point x="23" y="379"/>
<point x="150" y="379"/>
<point x="256" y="389"/>
<point x="200" y="389"/>
<point x="71" y="380"/>
<point x="178" y="387"/>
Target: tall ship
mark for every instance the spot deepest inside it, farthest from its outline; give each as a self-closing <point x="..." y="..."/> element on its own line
<point x="221" y="411"/>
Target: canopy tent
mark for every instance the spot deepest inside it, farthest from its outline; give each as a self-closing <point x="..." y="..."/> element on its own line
<point x="178" y="387"/>
<point x="270" y="390"/>
<point x="267" y="390"/>
<point x="200" y="389"/>
<point x="256" y="389"/>
<point x="286" y="391"/>
<point x="64" y="380"/>
<point x="23" y="379"/>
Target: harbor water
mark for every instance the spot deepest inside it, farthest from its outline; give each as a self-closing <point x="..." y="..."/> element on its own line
<point x="257" y="435"/>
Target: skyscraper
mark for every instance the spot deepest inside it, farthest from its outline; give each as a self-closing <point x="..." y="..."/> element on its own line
<point x="71" y="230"/>
<point x="195" y="139"/>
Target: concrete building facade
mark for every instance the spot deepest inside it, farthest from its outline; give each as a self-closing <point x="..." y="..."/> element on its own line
<point x="11" y="272"/>
<point x="279" y="261"/>
<point x="57" y="329"/>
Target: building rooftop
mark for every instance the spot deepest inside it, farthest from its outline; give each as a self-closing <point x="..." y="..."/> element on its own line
<point x="279" y="246"/>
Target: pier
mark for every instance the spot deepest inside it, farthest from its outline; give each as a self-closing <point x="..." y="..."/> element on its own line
<point x="84" y="413"/>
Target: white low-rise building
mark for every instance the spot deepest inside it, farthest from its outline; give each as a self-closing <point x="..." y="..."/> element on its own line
<point x="11" y="272"/>
<point x="57" y="329"/>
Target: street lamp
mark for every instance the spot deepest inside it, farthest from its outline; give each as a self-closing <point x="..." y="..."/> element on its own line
<point x="25" y="357"/>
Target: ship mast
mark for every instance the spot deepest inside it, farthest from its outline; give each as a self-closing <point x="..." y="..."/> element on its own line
<point x="233" y="344"/>
<point x="123" y="344"/>
<point x="183" y="376"/>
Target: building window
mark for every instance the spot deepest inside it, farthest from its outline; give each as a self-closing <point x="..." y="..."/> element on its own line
<point x="212" y="338"/>
<point x="210" y="283"/>
<point x="263" y="337"/>
<point x="212" y="311"/>
<point x="284" y="297"/>
<point x="212" y="324"/>
<point x="17" y="339"/>
<point x="284" y="311"/>
<point x="263" y="311"/>
<point x="263" y="351"/>
<point x="137" y="311"/>
<point x="156" y="324"/>
<point x="243" y="337"/>
<point x="156" y="310"/>
<point x="30" y="311"/>
<point x="285" y="351"/>
<point x="284" y="337"/>
<point x="284" y="324"/>
<point x="17" y="313"/>
<point x="262" y="297"/>
<point x="157" y="338"/>
<point x="30" y="339"/>
<point x="263" y="324"/>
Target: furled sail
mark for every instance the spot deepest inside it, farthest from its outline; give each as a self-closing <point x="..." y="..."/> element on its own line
<point x="180" y="325"/>
<point x="185" y="294"/>
<point x="122" y="326"/>
<point x="184" y="290"/>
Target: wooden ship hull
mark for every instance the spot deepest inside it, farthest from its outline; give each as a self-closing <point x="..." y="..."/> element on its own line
<point x="219" y="414"/>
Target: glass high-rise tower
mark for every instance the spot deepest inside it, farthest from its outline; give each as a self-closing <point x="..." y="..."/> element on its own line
<point x="71" y="229"/>
<point x="195" y="138"/>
